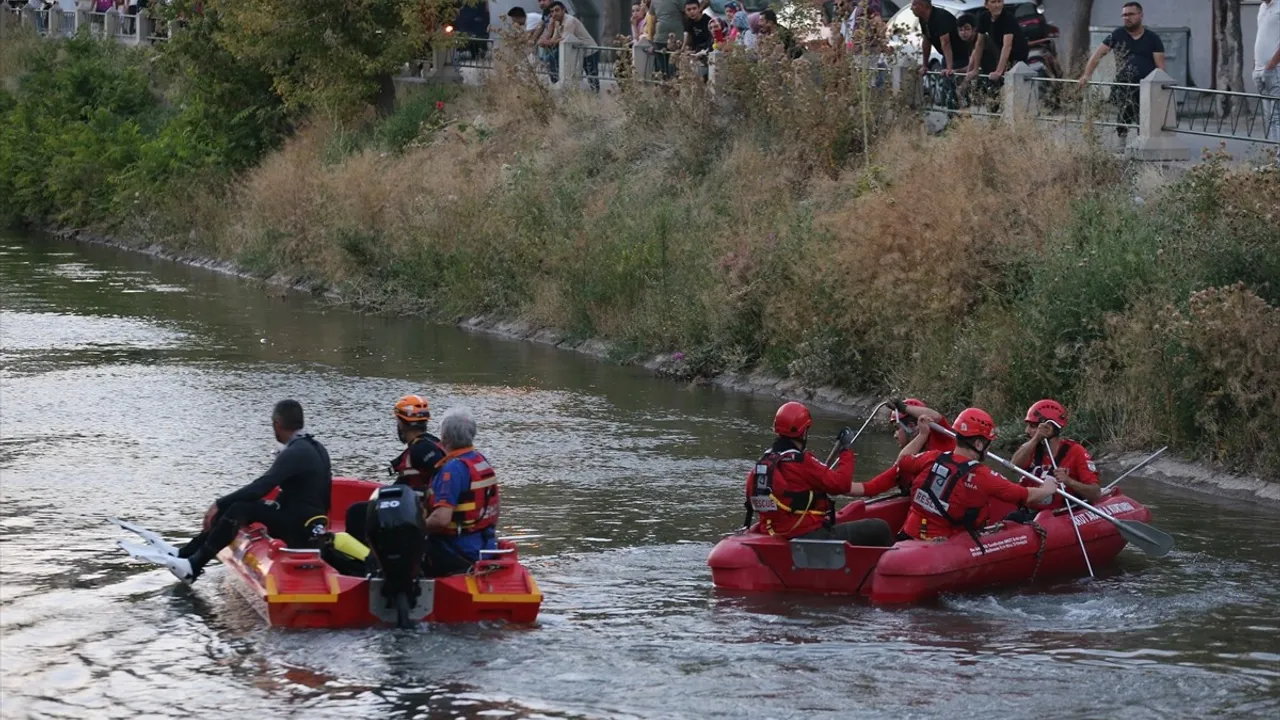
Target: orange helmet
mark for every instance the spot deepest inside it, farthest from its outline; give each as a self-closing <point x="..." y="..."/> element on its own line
<point x="792" y="421"/>
<point x="910" y="402"/>
<point x="413" y="409"/>
<point x="975" y="423"/>
<point x="1047" y="411"/>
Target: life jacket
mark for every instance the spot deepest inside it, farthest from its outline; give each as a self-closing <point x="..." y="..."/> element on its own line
<point x="942" y="489"/>
<point x="764" y="499"/>
<point x="402" y="467"/>
<point x="477" y="508"/>
<point x="1042" y="468"/>
<point x="1040" y="465"/>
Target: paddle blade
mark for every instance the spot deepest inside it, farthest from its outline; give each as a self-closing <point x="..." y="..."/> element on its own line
<point x="1149" y="540"/>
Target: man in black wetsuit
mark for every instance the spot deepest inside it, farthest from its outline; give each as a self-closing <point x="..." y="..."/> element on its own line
<point x="415" y="466"/>
<point x="302" y="473"/>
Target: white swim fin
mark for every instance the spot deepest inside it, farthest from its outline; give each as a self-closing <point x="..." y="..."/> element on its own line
<point x="153" y="539"/>
<point x="146" y="553"/>
<point x="180" y="567"/>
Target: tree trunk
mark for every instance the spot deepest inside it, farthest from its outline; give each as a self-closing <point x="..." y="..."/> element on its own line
<point x="615" y="16"/>
<point x="1077" y="49"/>
<point x="1229" y="38"/>
<point x="385" y="101"/>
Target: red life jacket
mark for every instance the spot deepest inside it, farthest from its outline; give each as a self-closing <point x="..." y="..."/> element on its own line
<point x="942" y="496"/>
<point x="774" y="506"/>
<point x="406" y="473"/>
<point x="477" y="507"/>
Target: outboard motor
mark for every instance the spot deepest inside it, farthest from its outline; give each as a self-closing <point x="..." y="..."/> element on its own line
<point x="397" y="537"/>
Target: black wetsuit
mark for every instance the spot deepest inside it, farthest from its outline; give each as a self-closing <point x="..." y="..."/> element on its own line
<point x="304" y="475"/>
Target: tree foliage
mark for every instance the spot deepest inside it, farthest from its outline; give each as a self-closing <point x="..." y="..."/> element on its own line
<point x="326" y="55"/>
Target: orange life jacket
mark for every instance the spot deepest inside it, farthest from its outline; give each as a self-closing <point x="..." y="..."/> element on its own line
<point x="477" y="507"/>
<point x="407" y="474"/>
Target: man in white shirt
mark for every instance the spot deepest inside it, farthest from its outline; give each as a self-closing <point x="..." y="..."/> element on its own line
<point x="1266" y="64"/>
<point x="570" y="28"/>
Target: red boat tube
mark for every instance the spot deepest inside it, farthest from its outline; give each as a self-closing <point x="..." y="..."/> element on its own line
<point x="296" y="588"/>
<point x="915" y="571"/>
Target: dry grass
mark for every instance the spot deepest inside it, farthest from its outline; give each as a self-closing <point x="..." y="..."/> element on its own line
<point x="768" y="227"/>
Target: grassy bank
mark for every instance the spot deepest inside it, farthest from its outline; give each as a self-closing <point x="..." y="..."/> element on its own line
<point x="795" y="222"/>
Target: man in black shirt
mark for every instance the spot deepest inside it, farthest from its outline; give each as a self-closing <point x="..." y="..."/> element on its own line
<point x="1003" y="32"/>
<point x="938" y="29"/>
<point x="302" y="473"/>
<point x="697" y="27"/>
<point x="973" y="88"/>
<point x="1138" y="52"/>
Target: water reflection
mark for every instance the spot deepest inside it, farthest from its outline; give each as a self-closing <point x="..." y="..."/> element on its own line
<point x="135" y="387"/>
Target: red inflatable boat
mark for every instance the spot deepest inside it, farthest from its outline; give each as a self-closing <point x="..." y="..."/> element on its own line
<point x="296" y="588"/>
<point x="914" y="570"/>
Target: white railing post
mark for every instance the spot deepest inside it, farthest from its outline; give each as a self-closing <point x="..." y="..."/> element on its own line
<point x="570" y="64"/>
<point x="55" y="21"/>
<point x="146" y="26"/>
<point x="1155" y="103"/>
<point x="28" y="14"/>
<point x="642" y="59"/>
<point x="82" y="20"/>
<point x="713" y="64"/>
<point x="111" y="24"/>
<point x="1018" y="93"/>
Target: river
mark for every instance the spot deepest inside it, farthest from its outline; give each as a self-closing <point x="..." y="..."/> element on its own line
<point x="143" y="388"/>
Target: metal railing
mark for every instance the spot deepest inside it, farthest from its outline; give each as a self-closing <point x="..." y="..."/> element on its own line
<point x="1063" y="100"/>
<point x="958" y="95"/>
<point x="599" y="63"/>
<point x="1224" y="114"/>
<point x="474" y="53"/>
<point x="98" y="23"/>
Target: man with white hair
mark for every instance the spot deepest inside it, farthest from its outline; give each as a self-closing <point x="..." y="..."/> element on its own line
<point x="462" y="507"/>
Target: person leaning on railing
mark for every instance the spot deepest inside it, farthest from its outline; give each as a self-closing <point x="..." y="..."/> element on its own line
<point x="1139" y="52"/>
<point x="1266" y="65"/>
<point x="568" y="27"/>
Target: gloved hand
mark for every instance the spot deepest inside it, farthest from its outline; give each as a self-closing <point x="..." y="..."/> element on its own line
<point x="845" y="439"/>
<point x="900" y="406"/>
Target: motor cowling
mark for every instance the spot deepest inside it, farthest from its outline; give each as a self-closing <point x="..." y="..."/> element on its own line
<point x="397" y="536"/>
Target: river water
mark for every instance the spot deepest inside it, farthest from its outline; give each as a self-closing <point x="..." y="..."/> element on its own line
<point x="138" y="387"/>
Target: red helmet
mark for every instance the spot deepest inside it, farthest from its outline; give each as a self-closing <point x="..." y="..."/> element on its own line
<point x="792" y="421"/>
<point x="975" y="423"/>
<point x="1047" y="411"/>
<point x="911" y="402"/>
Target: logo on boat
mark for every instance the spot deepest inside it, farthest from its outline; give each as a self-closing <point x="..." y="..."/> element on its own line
<point x="1084" y="517"/>
<point x="998" y="545"/>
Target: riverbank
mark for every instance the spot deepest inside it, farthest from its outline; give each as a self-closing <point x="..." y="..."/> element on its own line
<point x="817" y="240"/>
<point x="1199" y="477"/>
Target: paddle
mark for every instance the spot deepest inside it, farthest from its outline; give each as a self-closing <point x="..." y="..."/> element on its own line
<point x="1080" y="538"/>
<point x="1151" y="541"/>
<point x="835" y="451"/>
<point x="1131" y="470"/>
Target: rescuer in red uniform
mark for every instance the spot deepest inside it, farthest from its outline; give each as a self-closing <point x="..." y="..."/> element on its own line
<point x="951" y="489"/>
<point x="1075" y="471"/>
<point x="905" y="418"/>
<point x="791" y="489"/>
